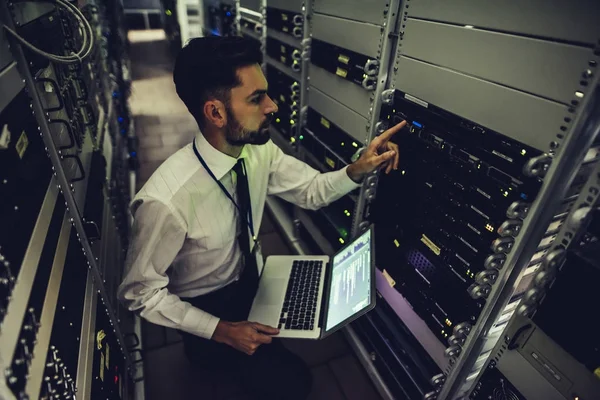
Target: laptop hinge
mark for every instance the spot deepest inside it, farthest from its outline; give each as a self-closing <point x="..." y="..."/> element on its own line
<point x="325" y="297"/>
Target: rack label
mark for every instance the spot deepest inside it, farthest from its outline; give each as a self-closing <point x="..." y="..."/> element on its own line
<point x="497" y="153"/>
<point x="389" y="279"/>
<point x="330" y="162"/>
<point x="107" y="357"/>
<point x="99" y="338"/>
<point x="431" y="245"/>
<point x="478" y="211"/>
<point x="484" y="194"/>
<point x="415" y="100"/>
<point x="343" y="59"/>
<point x="341" y="72"/>
<point x="22" y="144"/>
<point x="102" y="367"/>
<point x="325" y="123"/>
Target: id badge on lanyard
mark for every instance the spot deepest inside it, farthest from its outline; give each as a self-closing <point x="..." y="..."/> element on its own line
<point x="255" y="251"/>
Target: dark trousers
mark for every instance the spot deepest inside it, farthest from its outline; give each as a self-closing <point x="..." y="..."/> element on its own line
<point x="271" y="373"/>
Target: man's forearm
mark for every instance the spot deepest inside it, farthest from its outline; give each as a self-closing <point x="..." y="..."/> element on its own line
<point x="355" y="173"/>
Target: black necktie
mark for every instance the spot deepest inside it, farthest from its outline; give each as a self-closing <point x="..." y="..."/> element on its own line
<point x="250" y="273"/>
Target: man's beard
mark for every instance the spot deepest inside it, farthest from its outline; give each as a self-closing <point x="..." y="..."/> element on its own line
<point x="237" y="135"/>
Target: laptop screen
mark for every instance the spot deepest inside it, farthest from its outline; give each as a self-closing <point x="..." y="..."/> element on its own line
<point x="351" y="277"/>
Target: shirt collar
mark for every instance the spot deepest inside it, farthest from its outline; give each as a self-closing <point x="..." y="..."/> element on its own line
<point x="218" y="162"/>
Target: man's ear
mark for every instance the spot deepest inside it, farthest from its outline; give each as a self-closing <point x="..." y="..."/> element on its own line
<point x="214" y="113"/>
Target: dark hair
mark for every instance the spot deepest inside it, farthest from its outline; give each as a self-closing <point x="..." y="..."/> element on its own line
<point x="206" y="68"/>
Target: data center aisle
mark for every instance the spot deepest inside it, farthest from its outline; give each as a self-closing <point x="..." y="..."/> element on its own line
<point x="163" y="125"/>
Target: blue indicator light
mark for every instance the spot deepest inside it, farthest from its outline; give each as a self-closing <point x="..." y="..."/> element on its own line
<point x="120" y="119"/>
<point x="418" y="125"/>
<point x="133" y="153"/>
<point x="228" y="14"/>
<point x="523" y="196"/>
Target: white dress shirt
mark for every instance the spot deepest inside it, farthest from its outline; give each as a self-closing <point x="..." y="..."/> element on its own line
<point x="184" y="234"/>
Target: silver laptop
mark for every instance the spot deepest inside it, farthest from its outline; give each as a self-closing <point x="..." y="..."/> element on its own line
<point x="310" y="297"/>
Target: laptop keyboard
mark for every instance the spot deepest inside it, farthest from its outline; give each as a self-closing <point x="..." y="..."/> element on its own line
<point x="300" y="304"/>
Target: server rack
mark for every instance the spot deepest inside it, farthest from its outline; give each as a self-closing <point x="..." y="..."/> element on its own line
<point x="551" y="129"/>
<point x="332" y="126"/>
<point x="67" y="151"/>
<point x="530" y="123"/>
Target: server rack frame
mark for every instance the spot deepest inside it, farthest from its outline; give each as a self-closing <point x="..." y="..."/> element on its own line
<point x="553" y="179"/>
<point x="59" y="184"/>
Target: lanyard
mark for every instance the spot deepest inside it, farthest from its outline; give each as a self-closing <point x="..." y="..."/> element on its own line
<point x="249" y="216"/>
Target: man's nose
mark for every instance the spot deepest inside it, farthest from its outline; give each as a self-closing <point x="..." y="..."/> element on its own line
<point x="271" y="106"/>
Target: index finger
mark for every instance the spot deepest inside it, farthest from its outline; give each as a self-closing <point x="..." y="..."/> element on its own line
<point x="385" y="136"/>
<point x="265" y="328"/>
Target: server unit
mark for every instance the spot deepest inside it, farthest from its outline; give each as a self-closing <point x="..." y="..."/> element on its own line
<point x="288" y="22"/>
<point x="452" y="228"/>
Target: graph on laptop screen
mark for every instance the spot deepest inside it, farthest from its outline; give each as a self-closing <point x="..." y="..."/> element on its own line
<point x="350" y="281"/>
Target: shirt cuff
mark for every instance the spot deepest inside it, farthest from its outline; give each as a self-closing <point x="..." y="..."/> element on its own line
<point x="342" y="183"/>
<point x="199" y="323"/>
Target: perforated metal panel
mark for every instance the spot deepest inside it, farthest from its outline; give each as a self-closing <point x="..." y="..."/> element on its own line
<point x="356" y="36"/>
<point x="351" y="122"/>
<point x="346" y="92"/>
<point x="576" y="21"/>
<point x="359" y="10"/>
<point x="521" y="116"/>
<point x="545" y="68"/>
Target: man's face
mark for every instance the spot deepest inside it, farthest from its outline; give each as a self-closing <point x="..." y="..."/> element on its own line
<point x="249" y="109"/>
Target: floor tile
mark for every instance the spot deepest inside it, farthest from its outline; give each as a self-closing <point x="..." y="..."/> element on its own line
<point x="353" y="379"/>
<point x="162" y="130"/>
<point x="150" y="141"/>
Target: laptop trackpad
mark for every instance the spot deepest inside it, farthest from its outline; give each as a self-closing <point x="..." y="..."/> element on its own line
<point x="271" y="293"/>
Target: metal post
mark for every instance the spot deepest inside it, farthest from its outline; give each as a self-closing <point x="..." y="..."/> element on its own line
<point x="386" y="50"/>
